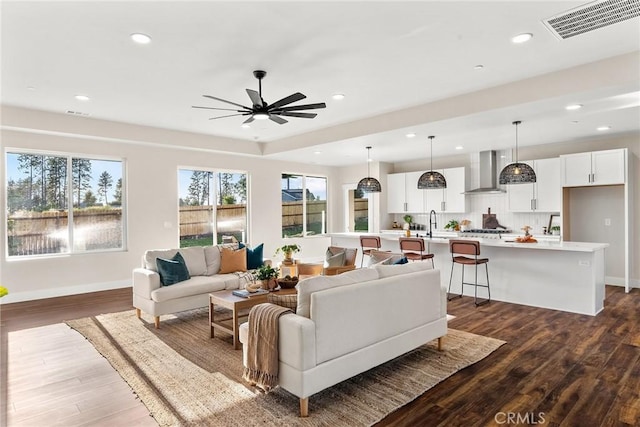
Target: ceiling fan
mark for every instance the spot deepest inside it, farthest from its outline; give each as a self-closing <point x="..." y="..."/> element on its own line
<point x="260" y="110"/>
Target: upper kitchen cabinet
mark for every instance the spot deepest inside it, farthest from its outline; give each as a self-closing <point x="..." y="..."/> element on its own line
<point x="403" y="194"/>
<point x="545" y="195"/>
<point x="450" y="199"/>
<point x="594" y="168"/>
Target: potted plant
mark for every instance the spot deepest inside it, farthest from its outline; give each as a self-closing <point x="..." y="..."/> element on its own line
<point x="288" y="251"/>
<point x="407" y="221"/>
<point x="555" y="230"/>
<point x="453" y="225"/>
<point x="267" y="275"/>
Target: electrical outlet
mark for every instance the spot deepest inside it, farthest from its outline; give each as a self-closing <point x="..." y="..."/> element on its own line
<point x="607" y="222"/>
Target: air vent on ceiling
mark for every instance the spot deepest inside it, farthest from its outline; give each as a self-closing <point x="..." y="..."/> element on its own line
<point x="77" y="113"/>
<point x="592" y="16"/>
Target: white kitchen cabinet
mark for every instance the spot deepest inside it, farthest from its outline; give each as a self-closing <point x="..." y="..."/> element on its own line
<point x="545" y="195"/>
<point x="450" y="199"/>
<point x="605" y="167"/>
<point x="403" y="194"/>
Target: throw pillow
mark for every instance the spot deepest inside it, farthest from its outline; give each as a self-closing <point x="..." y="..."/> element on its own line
<point x="334" y="260"/>
<point x="254" y="256"/>
<point x="172" y="270"/>
<point x="232" y="261"/>
<point x="402" y="260"/>
<point x="288" y="301"/>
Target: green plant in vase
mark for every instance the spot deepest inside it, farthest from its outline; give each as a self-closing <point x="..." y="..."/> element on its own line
<point x="267" y="275"/>
<point x="453" y="225"/>
<point x="288" y="251"/>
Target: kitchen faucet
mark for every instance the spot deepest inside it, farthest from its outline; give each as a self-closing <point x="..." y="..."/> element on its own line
<point x="433" y="223"/>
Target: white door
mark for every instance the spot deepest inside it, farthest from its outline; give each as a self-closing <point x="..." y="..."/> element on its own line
<point x="607" y="167"/>
<point x="396" y="193"/>
<point x="576" y="170"/>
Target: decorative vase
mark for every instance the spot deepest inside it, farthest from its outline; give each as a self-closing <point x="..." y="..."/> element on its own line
<point x="288" y="258"/>
<point x="407" y="232"/>
<point x="269" y="284"/>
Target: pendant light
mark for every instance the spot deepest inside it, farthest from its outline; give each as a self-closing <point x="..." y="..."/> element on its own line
<point x="369" y="184"/>
<point x="517" y="173"/>
<point x="431" y="179"/>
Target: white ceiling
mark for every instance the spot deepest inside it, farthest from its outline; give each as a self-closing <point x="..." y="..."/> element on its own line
<point x="398" y="63"/>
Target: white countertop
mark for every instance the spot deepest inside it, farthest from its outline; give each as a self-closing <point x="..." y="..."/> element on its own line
<point x="444" y="237"/>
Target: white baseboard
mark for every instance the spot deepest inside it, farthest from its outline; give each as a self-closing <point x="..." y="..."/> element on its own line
<point x="619" y="281"/>
<point x="62" y="292"/>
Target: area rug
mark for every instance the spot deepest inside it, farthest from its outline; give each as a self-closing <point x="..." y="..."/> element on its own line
<point x="186" y="378"/>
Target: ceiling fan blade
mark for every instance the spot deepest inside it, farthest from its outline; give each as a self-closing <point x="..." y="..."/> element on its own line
<point x="301" y="115"/>
<point x="228" y="102"/>
<point x="303" y="107"/>
<point x="287" y="100"/>
<point x="213" y="108"/>
<point x="277" y="119"/>
<point x="230" y="115"/>
<point x="255" y="98"/>
<point x="249" y="120"/>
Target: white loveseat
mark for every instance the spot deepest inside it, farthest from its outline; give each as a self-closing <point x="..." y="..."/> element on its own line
<point x="352" y="322"/>
<point x="203" y="263"/>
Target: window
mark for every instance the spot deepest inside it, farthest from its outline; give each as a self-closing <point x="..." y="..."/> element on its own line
<point x="201" y="191"/>
<point x="304" y="205"/>
<point x="40" y="189"/>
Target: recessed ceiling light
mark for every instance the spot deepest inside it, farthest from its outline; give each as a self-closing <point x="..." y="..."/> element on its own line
<point x="140" y="38"/>
<point x="338" y="96"/>
<point x="410" y="135"/>
<point x="459" y="147"/>
<point x="82" y="97"/>
<point x="575" y="122"/>
<point x="601" y="128"/>
<point x="503" y="157"/>
<point x="521" y="38"/>
<point x="573" y="107"/>
<point x="31" y="88"/>
<point x="245" y="126"/>
<point x="478" y="67"/>
<point x="317" y="152"/>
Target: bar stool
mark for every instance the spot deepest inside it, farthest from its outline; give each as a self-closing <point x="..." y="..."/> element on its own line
<point x="368" y="244"/>
<point x="415" y="248"/>
<point x="468" y="247"/>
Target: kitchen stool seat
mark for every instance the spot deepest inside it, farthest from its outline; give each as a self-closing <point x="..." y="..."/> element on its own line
<point x="458" y="249"/>
<point x="414" y="250"/>
<point x="368" y="244"/>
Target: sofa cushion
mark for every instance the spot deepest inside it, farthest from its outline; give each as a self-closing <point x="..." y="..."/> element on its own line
<point x="197" y="285"/>
<point x="212" y="257"/>
<point x="394" y="270"/>
<point x="334" y="259"/>
<point x="194" y="258"/>
<point x="232" y="261"/>
<point x="308" y="286"/>
<point x="172" y="270"/>
<point x="254" y="256"/>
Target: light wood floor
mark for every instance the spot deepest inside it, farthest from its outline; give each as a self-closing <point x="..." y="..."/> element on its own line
<point x="577" y="370"/>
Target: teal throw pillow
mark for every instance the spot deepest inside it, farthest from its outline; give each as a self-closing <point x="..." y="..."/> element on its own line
<point x="254" y="256"/>
<point x="402" y="260"/>
<point x="172" y="270"/>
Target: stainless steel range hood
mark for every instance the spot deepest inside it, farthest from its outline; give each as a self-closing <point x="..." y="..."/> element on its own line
<point x="488" y="175"/>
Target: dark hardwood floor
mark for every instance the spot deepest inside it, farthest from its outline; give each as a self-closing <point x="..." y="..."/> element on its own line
<point x="556" y="369"/>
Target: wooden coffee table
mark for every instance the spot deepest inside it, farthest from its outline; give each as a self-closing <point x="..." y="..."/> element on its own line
<point x="239" y="310"/>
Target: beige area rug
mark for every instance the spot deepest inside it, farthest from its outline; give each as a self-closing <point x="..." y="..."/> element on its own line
<point x="186" y="378"/>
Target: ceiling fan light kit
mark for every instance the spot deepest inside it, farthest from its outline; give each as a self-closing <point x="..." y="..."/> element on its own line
<point x="369" y="184"/>
<point x="431" y="179"/>
<point x="260" y="110"/>
<point x="517" y="173"/>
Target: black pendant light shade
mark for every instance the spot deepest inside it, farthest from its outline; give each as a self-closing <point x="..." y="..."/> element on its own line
<point x="431" y="179"/>
<point x="517" y="173"/>
<point x="369" y="184"/>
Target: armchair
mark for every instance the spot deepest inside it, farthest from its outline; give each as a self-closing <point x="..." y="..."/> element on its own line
<point x="348" y="264"/>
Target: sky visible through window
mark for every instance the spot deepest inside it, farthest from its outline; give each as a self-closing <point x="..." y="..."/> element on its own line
<point x="318" y="187"/>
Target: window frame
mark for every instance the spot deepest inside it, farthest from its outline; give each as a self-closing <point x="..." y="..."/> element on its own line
<point x="69" y="157"/>
<point x="304" y="177"/>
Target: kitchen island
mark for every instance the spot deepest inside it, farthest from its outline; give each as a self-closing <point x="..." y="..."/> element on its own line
<point x="567" y="276"/>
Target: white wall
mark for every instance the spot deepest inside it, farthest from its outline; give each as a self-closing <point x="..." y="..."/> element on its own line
<point x="152" y="201"/>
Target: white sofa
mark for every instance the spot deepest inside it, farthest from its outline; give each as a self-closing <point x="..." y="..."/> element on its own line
<point x="352" y="322"/>
<point x="203" y="263"/>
